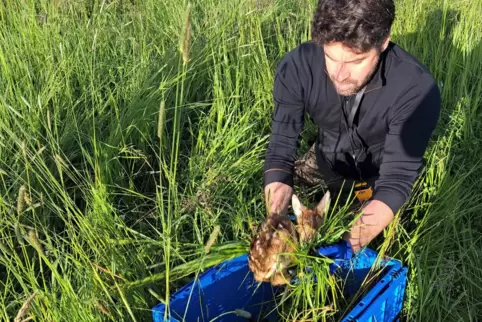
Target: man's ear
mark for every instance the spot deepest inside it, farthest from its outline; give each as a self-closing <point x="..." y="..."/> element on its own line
<point x="385" y="43"/>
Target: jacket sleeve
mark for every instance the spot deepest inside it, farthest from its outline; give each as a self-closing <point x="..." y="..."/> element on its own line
<point x="410" y="129"/>
<point x="288" y="118"/>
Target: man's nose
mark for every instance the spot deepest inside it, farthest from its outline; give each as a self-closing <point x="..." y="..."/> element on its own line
<point x="343" y="73"/>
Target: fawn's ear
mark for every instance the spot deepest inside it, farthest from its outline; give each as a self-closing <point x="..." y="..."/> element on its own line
<point x="298" y="207"/>
<point x="324" y="204"/>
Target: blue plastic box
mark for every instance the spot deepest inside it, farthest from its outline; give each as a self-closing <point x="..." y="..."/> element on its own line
<point x="229" y="286"/>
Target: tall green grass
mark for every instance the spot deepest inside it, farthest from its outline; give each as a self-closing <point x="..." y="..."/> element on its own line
<point x="124" y="143"/>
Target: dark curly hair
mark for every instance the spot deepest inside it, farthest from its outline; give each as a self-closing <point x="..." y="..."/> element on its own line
<point x="359" y="24"/>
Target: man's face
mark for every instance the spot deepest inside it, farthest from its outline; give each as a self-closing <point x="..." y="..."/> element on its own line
<point x="349" y="70"/>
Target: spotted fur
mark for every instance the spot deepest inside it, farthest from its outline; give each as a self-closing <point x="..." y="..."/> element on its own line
<point x="277" y="238"/>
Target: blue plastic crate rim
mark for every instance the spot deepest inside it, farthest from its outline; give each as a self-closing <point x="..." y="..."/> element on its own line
<point x="230" y="286"/>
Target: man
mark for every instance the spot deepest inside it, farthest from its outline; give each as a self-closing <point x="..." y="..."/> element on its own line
<point x="374" y="104"/>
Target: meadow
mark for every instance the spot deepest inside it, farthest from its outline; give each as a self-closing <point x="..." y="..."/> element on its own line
<point x="132" y="139"/>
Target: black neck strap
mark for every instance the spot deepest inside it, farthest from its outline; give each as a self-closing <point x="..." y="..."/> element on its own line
<point x="354" y="107"/>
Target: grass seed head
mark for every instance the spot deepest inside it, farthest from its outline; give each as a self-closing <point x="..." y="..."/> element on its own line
<point x="60" y="161"/>
<point x="21" y="199"/>
<point x="32" y="236"/>
<point x="160" y="121"/>
<point x="25" y="308"/>
<point x="186" y="38"/>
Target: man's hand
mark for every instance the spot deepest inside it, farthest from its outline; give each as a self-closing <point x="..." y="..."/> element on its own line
<point x="375" y="218"/>
<point x="277" y="196"/>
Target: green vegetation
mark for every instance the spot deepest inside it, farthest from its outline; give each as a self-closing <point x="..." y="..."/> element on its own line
<point x="131" y="130"/>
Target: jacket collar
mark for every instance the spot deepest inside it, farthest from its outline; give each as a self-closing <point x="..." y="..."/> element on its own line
<point x="379" y="77"/>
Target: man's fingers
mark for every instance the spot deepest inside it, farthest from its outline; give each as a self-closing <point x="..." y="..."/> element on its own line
<point x="277" y="196"/>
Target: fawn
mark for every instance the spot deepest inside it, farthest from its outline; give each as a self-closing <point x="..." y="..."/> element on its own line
<point x="271" y="251"/>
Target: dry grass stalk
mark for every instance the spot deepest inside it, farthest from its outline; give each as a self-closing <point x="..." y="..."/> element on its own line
<point x="105" y="270"/>
<point x="212" y="239"/>
<point x="103" y="309"/>
<point x="243" y="313"/>
<point x="25" y="308"/>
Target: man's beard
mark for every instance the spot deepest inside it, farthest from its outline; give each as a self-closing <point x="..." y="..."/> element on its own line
<point x="357" y="86"/>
